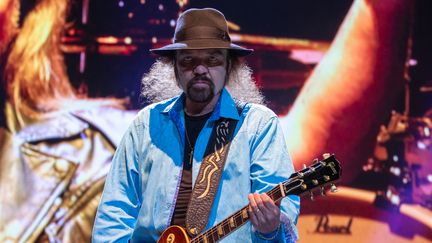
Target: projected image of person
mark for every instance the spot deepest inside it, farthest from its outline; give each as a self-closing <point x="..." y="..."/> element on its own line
<point x="56" y="147"/>
<point x="353" y="89"/>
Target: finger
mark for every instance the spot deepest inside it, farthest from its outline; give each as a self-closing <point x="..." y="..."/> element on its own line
<point x="277" y="203"/>
<point x="252" y="217"/>
<point x="260" y="203"/>
<point x="260" y="210"/>
<point x="252" y="202"/>
<point x="270" y="210"/>
<point x="254" y="205"/>
<point x="267" y="201"/>
<point x="251" y="209"/>
<point x="269" y="204"/>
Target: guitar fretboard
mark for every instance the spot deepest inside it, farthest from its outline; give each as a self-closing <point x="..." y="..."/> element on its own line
<point x="233" y="222"/>
<point x="320" y="173"/>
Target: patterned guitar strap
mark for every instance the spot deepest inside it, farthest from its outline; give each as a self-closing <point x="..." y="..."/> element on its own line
<point x="209" y="174"/>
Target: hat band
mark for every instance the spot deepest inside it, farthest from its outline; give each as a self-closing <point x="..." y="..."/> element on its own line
<point x="201" y="32"/>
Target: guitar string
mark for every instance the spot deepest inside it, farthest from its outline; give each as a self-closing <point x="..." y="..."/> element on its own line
<point x="225" y="222"/>
<point x="238" y="214"/>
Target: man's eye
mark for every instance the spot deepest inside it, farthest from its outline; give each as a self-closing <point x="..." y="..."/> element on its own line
<point x="187" y="59"/>
<point x="214" y="61"/>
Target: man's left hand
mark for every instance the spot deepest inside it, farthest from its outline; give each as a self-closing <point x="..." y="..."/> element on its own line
<point x="264" y="213"/>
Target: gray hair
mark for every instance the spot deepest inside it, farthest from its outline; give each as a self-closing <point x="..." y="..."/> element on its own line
<point x="160" y="83"/>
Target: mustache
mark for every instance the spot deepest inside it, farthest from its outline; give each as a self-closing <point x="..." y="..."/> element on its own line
<point x="201" y="77"/>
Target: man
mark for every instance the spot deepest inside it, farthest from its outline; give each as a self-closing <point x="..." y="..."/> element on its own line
<point x="150" y="183"/>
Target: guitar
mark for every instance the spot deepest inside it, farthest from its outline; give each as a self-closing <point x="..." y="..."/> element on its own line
<point x="319" y="174"/>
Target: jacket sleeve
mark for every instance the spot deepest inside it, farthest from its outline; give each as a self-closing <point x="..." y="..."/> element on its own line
<point x="121" y="202"/>
<point x="270" y="165"/>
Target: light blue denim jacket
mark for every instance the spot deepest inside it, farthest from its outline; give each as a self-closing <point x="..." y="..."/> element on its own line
<point x="141" y="189"/>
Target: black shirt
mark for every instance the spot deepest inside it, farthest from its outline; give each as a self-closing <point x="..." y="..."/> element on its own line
<point x="194" y="125"/>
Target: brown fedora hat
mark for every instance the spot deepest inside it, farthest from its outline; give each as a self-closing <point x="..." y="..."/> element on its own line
<point x="201" y="29"/>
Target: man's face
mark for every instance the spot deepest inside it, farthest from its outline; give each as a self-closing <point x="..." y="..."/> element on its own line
<point x="201" y="73"/>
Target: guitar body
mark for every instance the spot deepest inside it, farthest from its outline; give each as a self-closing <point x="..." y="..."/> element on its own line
<point x="174" y="234"/>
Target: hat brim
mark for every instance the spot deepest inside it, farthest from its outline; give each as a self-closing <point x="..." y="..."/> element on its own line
<point x="168" y="50"/>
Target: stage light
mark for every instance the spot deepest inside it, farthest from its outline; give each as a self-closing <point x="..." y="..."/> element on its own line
<point x="107" y="40"/>
<point x="172" y="23"/>
<point x="426" y="131"/>
<point x="395" y="170"/>
<point x="421" y="145"/>
<point x="128" y="40"/>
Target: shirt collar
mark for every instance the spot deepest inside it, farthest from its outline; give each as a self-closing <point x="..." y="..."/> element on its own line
<point x="226" y="107"/>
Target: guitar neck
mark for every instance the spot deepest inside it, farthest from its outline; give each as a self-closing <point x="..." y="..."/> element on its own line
<point x="236" y="220"/>
<point x="320" y="173"/>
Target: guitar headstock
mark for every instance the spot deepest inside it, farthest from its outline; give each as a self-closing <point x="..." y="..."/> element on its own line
<point x="319" y="174"/>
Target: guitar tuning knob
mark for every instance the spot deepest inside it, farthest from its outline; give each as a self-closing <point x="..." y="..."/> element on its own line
<point x="315" y="161"/>
<point x="304" y="166"/>
<point x="312" y="196"/>
<point x="333" y="188"/>
<point x="326" y="155"/>
<point x="323" y="191"/>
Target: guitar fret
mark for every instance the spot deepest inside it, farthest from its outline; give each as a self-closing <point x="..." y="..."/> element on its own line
<point x="232" y="223"/>
<point x="219" y="230"/>
<point x="281" y="188"/>
<point x="244" y="213"/>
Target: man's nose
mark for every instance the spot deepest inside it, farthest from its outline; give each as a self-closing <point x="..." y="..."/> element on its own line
<point x="200" y="69"/>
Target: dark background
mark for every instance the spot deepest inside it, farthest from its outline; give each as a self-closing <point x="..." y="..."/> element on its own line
<point x="119" y="75"/>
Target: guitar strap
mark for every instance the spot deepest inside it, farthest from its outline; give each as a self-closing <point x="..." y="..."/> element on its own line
<point x="209" y="174"/>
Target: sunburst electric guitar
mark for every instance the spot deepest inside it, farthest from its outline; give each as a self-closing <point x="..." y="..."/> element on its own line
<point x="315" y="177"/>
